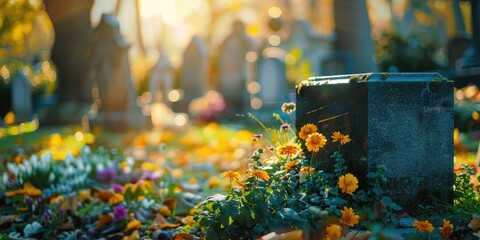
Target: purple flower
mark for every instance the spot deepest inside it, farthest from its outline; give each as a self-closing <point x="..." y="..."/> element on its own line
<point x="107" y="174"/>
<point x="117" y="188"/>
<point x="119" y="213"/>
<point x="285" y="126"/>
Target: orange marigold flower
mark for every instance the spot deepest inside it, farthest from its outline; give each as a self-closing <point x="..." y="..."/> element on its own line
<point x="56" y="199"/>
<point x="11" y="193"/>
<point x="306" y="130"/>
<point x="446" y="230"/>
<point x="289" y="149"/>
<point x="348" y="183"/>
<point x="290" y="165"/>
<point x="104" y="219"/>
<point x="133" y="225"/>
<point x="348" y="217"/>
<point x="315" y="141"/>
<point x="231" y="175"/>
<point x="333" y="232"/>
<point x="260" y="174"/>
<point x="310" y="170"/>
<point x="423" y="226"/>
<point x="344" y="139"/>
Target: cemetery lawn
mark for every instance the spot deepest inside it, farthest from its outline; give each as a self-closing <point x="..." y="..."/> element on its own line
<point x="212" y="181"/>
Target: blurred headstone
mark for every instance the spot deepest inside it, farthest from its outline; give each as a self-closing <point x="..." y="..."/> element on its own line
<point x="352" y="30"/>
<point x="232" y="67"/>
<point x="194" y="72"/>
<point x="74" y="37"/>
<point x="21" y="97"/>
<point x="273" y="83"/>
<point x="403" y="121"/>
<point x="111" y="66"/>
<point x="161" y="79"/>
<point x="315" y="48"/>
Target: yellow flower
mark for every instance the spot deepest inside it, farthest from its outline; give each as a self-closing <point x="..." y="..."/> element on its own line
<point x="446" y="230"/>
<point x="30" y="190"/>
<point x="348" y="183"/>
<point x="348" y="217"/>
<point x="133" y="225"/>
<point x="337" y="136"/>
<point x="57" y="199"/>
<point x="165" y="211"/>
<point x="11" y="193"/>
<point x="147" y="166"/>
<point x="260" y="174"/>
<point x="145" y="185"/>
<point x="213" y="182"/>
<point x="423" y="226"/>
<point x="306" y="130"/>
<point x="289" y="149"/>
<point x="333" y="232"/>
<point x="309" y="170"/>
<point x="290" y="165"/>
<point x="103" y="220"/>
<point x="116" y="198"/>
<point x="84" y="195"/>
<point x="231" y="175"/>
<point x="315" y="141"/>
<point x="134" y="236"/>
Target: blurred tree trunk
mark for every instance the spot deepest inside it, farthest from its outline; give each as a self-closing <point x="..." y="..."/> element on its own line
<point x="73" y="41"/>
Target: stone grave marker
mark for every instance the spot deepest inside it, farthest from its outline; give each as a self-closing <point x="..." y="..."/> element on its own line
<point x="352" y="30"/>
<point x="401" y="120"/>
<point x="315" y="48"/>
<point x="232" y="67"/>
<point x="273" y="83"/>
<point x="194" y="72"/>
<point x="21" y="97"/>
<point x="111" y="65"/>
<point x="161" y="79"/>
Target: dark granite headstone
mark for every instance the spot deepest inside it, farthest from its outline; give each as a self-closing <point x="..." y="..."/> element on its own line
<point x="404" y="121"/>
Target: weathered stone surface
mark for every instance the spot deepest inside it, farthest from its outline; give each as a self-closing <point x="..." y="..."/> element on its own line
<point x="404" y="121"/>
<point x="21" y="97"/>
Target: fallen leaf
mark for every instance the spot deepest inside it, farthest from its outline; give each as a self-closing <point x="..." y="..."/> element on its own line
<point x="169" y="225"/>
<point x="182" y="236"/>
<point x="357" y="235"/>
<point x="292" y="235"/>
<point x="7" y="219"/>
<point x="475" y="223"/>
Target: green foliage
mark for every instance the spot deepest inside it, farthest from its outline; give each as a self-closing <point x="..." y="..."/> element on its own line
<point x="292" y="198"/>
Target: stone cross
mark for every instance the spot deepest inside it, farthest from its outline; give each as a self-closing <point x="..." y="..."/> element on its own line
<point x="21" y="97"/>
<point x="401" y="120"/>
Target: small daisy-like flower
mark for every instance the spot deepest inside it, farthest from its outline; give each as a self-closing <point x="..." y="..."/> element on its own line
<point x="446" y="230"/>
<point x="423" y="226"/>
<point x="333" y="232"/>
<point x="349" y="217"/>
<point x="288" y="108"/>
<point x="337" y="136"/>
<point x="306" y="130"/>
<point x="348" y="183"/>
<point x="309" y="170"/>
<point x="315" y="141"/>
<point x="289" y="149"/>
<point x="260" y="174"/>
<point x="290" y="165"/>
<point x="285" y="126"/>
<point x="231" y="175"/>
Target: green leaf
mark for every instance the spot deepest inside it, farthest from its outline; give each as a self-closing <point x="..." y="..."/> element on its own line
<point x="396" y="207"/>
<point x="386" y="201"/>
<point x="338" y="201"/>
<point x="31" y="229"/>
